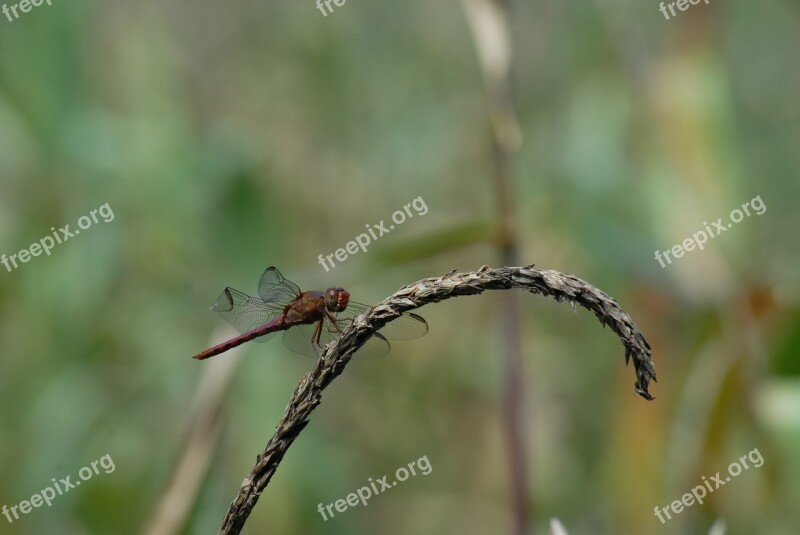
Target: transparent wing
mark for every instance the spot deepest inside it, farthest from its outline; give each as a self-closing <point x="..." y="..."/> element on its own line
<point x="407" y="327"/>
<point x="273" y="288"/>
<point x="245" y="312"/>
<point x="376" y="346"/>
<point x="299" y="339"/>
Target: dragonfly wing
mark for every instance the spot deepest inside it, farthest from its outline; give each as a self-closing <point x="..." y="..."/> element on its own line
<point x="245" y="312"/>
<point x="273" y="288"/>
<point x="376" y="346"/>
<point x="298" y="339"/>
<point x="407" y="327"/>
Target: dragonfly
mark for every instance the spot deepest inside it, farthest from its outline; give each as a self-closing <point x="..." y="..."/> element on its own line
<point x="309" y="320"/>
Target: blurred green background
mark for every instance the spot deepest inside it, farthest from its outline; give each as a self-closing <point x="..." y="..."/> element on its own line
<point x="230" y="137"/>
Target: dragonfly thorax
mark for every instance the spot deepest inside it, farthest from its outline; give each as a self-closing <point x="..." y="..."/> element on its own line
<point x="336" y="299"/>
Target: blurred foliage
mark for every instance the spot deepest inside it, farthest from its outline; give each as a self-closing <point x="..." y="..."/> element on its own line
<point x="231" y="137"/>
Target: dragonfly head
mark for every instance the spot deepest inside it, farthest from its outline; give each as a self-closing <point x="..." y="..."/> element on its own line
<point x="336" y="299"/>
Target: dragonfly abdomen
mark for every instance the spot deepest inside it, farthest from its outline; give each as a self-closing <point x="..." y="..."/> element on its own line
<point x="278" y="324"/>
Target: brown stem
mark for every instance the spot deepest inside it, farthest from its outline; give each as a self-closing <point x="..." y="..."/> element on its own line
<point x="491" y="33"/>
<point x="336" y="355"/>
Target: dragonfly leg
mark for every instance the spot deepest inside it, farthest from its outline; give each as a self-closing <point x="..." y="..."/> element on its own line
<point x="317" y="332"/>
<point x="334" y="322"/>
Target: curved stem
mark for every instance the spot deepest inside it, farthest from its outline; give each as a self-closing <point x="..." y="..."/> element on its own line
<point x="308" y="394"/>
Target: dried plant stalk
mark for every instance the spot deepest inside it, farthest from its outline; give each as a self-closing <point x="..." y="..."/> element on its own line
<point x="308" y="394"/>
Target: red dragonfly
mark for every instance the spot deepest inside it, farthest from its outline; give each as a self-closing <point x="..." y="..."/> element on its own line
<point x="310" y="320"/>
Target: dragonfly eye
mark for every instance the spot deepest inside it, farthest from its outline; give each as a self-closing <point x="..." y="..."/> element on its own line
<point x="331" y="299"/>
<point x="336" y="299"/>
<point x="342" y="300"/>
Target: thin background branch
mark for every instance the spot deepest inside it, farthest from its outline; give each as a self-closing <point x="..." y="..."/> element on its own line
<point x="491" y="32"/>
<point x="308" y="394"/>
<point x="174" y="506"/>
